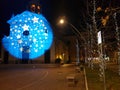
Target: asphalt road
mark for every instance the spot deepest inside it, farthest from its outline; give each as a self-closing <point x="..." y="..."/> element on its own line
<point x="53" y="78"/>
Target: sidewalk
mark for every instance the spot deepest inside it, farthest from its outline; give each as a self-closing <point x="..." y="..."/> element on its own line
<point x="60" y="82"/>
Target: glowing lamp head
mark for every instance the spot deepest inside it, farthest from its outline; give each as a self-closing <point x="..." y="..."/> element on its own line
<point x="30" y="36"/>
<point x="61" y="21"/>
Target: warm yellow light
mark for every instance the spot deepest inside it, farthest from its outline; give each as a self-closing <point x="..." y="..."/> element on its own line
<point x="33" y="5"/>
<point x="38" y="7"/>
<point x="62" y="21"/>
<point x="59" y="56"/>
<point x="99" y="9"/>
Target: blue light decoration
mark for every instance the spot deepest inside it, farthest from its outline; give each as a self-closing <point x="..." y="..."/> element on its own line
<point x="30" y="35"/>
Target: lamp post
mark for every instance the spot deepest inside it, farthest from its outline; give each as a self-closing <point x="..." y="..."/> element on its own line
<point x="62" y="21"/>
<point x="77" y="33"/>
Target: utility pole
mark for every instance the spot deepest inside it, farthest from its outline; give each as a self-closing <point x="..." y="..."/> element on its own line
<point x="91" y="48"/>
<point x="77" y="49"/>
<point x="102" y="61"/>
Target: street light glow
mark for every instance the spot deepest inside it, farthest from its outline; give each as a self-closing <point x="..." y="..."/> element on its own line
<point x="61" y="21"/>
<point x="76" y="31"/>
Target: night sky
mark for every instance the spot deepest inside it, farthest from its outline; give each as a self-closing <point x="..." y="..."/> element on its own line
<point x="52" y="9"/>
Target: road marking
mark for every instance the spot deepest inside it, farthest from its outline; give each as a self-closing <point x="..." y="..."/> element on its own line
<point x="28" y="85"/>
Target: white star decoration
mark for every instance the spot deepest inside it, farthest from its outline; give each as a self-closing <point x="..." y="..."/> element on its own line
<point x="25" y="27"/>
<point x="35" y="20"/>
<point x="34" y="40"/>
<point x="18" y="36"/>
<point x="19" y="41"/>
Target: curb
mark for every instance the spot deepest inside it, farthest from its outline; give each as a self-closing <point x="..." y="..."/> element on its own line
<point x="86" y="84"/>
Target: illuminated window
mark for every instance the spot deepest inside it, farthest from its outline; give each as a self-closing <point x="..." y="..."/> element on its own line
<point x="38" y="9"/>
<point x="33" y="8"/>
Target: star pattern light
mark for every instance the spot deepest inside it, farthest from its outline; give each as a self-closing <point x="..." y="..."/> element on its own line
<point x="30" y="33"/>
<point x="25" y="27"/>
<point x="35" y="19"/>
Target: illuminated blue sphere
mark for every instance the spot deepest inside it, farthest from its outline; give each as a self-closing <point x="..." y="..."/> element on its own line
<point x="30" y="35"/>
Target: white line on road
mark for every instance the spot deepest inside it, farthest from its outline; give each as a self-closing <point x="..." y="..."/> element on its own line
<point x="28" y="85"/>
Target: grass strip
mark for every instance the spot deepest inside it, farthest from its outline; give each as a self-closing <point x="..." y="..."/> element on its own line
<point x="112" y="79"/>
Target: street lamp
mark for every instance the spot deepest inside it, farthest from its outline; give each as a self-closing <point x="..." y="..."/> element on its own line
<point x="77" y="33"/>
<point x="62" y="21"/>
